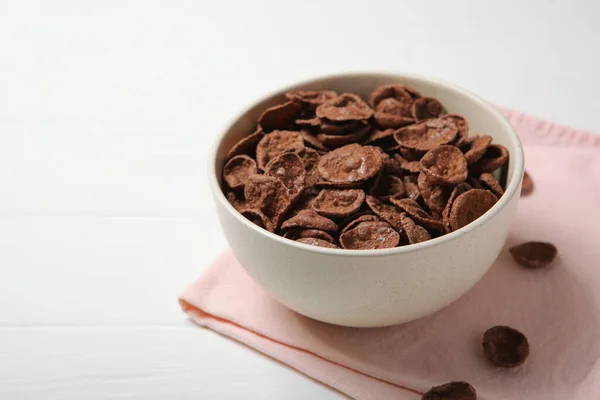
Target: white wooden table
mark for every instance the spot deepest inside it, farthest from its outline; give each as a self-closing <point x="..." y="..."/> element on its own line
<point x="107" y="111"/>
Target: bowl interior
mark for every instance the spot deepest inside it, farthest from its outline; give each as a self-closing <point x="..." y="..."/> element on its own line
<point x="481" y="117"/>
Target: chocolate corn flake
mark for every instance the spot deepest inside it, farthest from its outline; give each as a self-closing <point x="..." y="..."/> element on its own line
<point x="315" y="233"/>
<point x="311" y="99"/>
<point x="413" y="232"/>
<point x="310" y="159"/>
<point x="413" y="167"/>
<point x="474" y="182"/>
<point x="411" y="155"/>
<point x="461" y="124"/>
<point x="237" y="170"/>
<point x="403" y="94"/>
<point x="388" y="186"/>
<point x="391" y="113"/>
<point x="457" y="191"/>
<point x="237" y="200"/>
<point x="386" y="212"/>
<point x="321" y="161"/>
<point x="314" y="122"/>
<point x="427" y="107"/>
<point x="527" y="185"/>
<point x="269" y="195"/>
<point x="257" y="217"/>
<point x="390" y="165"/>
<point x="457" y="390"/>
<point x="279" y="117"/>
<point x="370" y="235"/>
<point x="505" y="346"/>
<point x="300" y="233"/>
<point x="333" y="141"/>
<point x="346" y="107"/>
<point x="350" y="164"/>
<point x="469" y="206"/>
<point x="289" y="169"/>
<point x="303" y="202"/>
<point x="391" y="121"/>
<point x="413" y="92"/>
<point x="338" y="203"/>
<point x="376" y="135"/>
<point x="426" y="135"/>
<point x="384" y="139"/>
<point x="495" y="157"/>
<point x="276" y="143"/>
<point x="247" y="145"/>
<point x="310" y="219"/>
<point x="262" y="188"/>
<point x="416" y="213"/>
<point x="395" y="107"/>
<point x="411" y="187"/>
<point x="311" y="140"/>
<point x="466" y="144"/>
<point x="490" y="183"/>
<point x="340" y="128"/>
<point x="361" y="218"/>
<point x="476" y="148"/>
<point x="317" y="242"/>
<point x="444" y="165"/>
<point x="534" y="254"/>
<point x="434" y="196"/>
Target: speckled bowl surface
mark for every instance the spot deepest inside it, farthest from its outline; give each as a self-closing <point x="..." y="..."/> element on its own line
<point x="368" y="288"/>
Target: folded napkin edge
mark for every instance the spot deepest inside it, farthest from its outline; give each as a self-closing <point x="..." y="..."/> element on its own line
<point x="197" y="315"/>
<point x="538" y="131"/>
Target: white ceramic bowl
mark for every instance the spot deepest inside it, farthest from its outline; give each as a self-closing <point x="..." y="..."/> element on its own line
<point x="368" y="288"/>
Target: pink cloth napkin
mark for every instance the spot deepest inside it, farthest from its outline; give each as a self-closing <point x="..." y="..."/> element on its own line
<point x="557" y="308"/>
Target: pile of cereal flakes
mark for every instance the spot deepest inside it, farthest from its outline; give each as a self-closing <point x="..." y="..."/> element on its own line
<point x="335" y="171"/>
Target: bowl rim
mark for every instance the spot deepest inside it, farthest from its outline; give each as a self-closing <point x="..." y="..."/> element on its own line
<point x="512" y="189"/>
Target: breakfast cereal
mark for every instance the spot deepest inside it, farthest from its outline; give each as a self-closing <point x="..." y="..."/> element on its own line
<point x="505" y="346"/>
<point x="333" y="170"/>
<point x="534" y="254"/>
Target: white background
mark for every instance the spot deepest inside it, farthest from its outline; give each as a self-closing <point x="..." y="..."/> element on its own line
<point x="107" y="111"/>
